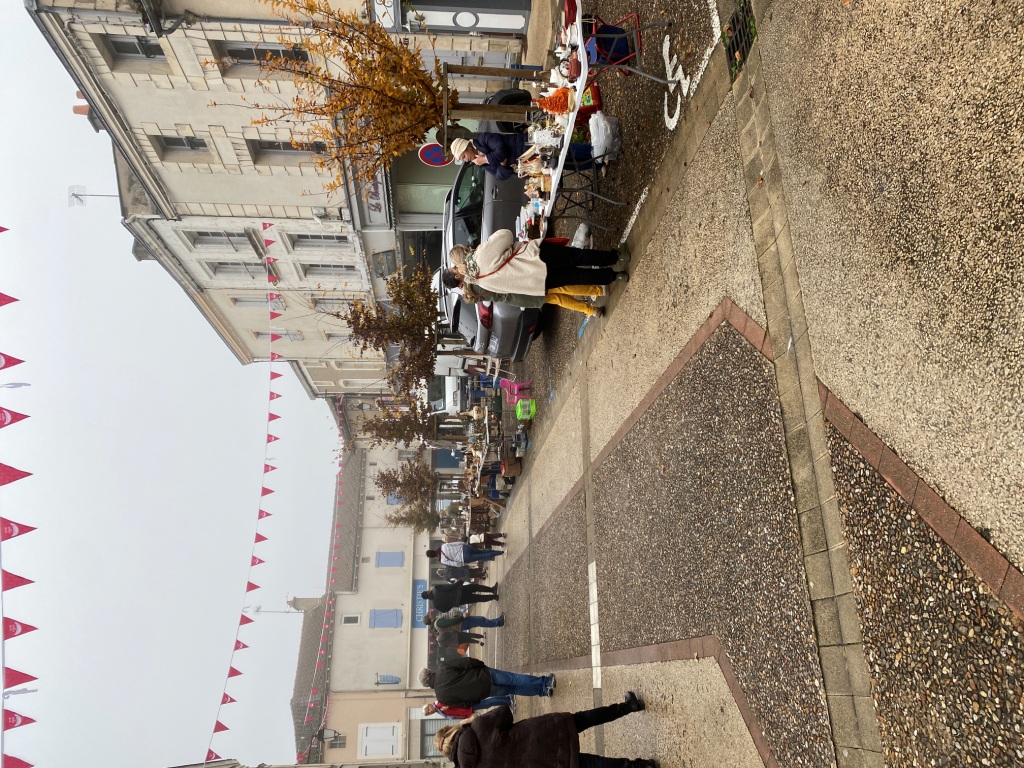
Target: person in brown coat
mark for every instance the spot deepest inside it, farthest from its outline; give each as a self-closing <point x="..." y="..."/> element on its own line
<point x="493" y="740"/>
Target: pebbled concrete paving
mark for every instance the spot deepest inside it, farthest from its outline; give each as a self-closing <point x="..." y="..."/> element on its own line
<point x="900" y="132"/>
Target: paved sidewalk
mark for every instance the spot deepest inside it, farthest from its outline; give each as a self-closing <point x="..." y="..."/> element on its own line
<point x="746" y="460"/>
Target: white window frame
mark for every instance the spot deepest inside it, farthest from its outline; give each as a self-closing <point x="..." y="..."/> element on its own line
<point x="257" y="301"/>
<point x="237" y="268"/>
<point x="325" y="270"/>
<point x="345" y="619"/>
<point x="318" y="241"/>
<point x="119" y="61"/>
<point x="188" y="154"/>
<point x="218" y="239"/>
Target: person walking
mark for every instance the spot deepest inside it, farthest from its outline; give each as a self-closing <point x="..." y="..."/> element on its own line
<point x="444" y="597"/>
<point x="465" y="681"/>
<point x="460" y="713"/>
<point x="493" y="740"/>
<point x="453" y="638"/>
<point x="457" y="553"/>
<point x="488" y="540"/>
<point x="500" y="265"/>
<point x="458" y="619"/>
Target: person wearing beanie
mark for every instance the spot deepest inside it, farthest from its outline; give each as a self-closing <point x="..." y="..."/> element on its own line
<point x="493" y="740"/>
<point x="444" y="597"/>
<point x="466" y="681"/>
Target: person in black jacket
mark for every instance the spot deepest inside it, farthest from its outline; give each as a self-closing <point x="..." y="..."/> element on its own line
<point x="492" y="740"/>
<point x="465" y="681"/>
<point x="444" y="597"/>
<point x="497" y="153"/>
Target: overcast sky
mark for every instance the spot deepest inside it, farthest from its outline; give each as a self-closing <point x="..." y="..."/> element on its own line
<point x="146" y="440"/>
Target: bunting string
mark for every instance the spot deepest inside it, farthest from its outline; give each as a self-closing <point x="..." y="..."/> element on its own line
<point x="12" y="628"/>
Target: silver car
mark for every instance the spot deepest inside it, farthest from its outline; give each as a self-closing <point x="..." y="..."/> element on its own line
<point x="477" y="205"/>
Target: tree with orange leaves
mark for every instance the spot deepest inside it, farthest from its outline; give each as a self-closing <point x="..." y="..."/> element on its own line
<point x="363" y="97"/>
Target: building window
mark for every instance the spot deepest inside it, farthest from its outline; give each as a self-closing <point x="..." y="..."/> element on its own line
<point x="232" y="241"/>
<point x="351" y="618"/>
<point x="302" y="242"/>
<point x="314" y="271"/>
<point x="182" y="143"/>
<point x="390" y="559"/>
<point x="338" y="742"/>
<point x="332" y="305"/>
<point x="256" y="53"/>
<point x="370" y="498"/>
<point x="182" y="149"/>
<point x="364" y="560"/>
<point x="393" y="499"/>
<point x="337" y="337"/>
<point x="427" y="730"/>
<point x="251" y="269"/>
<point x="134" y="47"/>
<point x="270" y="152"/>
<point x="378" y="739"/>
<point x="285" y="335"/>
<point x="258" y="302"/>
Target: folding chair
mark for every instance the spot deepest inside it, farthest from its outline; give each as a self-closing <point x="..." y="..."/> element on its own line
<point x="618" y="46"/>
<point x="579" y="200"/>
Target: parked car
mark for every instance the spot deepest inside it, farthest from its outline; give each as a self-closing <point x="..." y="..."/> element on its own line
<point x="476" y="206"/>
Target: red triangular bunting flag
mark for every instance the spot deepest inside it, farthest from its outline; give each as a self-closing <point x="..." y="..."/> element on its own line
<point x="267" y="225"/>
<point x="275" y="375"/>
<point x="14" y="762"/>
<point x="9" y="529"/>
<point x="270" y="259"/>
<point x="272" y="417"/>
<point x="309" y="719"/>
<point x="260" y="537"/>
<point x="272" y="439"/>
<point x="270" y="467"/>
<point x="8" y="417"/>
<point x="268" y="243"/>
<point x="13" y="580"/>
<point x="312" y="705"/>
<point x="256" y="561"/>
<point x="219" y="727"/>
<point x="319" y="665"/>
<point x="274" y="315"/>
<point x="266" y="491"/>
<point x="272" y="278"/>
<point x="274" y="395"/>
<point x="249" y="586"/>
<point x="5" y="299"/>
<point x="245" y="619"/>
<point x="13" y="677"/>
<point x="226" y="699"/>
<point x="211" y="755"/>
<point x="239" y="645"/>
<point x="13" y="720"/>
<point x="232" y="672"/>
<point x="262" y="514"/>
<point x="6" y="361"/>
<point x="275" y="356"/>
<point x="273" y="296"/>
<point x="275" y="337"/>
<point x="315" y="691"/>
<point x="10" y="474"/>
<point x="3" y="229"/>
<point x="14" y="628"/>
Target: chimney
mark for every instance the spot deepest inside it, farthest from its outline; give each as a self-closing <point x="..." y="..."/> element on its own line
<point x="81" y="109"/>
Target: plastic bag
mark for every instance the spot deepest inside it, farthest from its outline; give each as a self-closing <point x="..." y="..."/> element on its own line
<point x="582" y="237"/>
<point x="605" y="135"/>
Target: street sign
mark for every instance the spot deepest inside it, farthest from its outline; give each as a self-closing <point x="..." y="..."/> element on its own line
<point x="433" y="155"/>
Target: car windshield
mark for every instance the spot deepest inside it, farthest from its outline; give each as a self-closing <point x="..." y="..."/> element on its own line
<point x="468" y="207"/>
